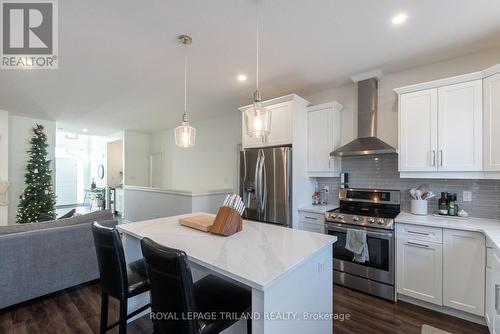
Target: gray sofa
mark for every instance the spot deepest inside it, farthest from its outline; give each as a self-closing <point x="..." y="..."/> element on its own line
<point x="41" y="258"/>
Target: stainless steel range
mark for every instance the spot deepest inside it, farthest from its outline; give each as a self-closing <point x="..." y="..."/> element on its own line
<point x="373" y="211"/>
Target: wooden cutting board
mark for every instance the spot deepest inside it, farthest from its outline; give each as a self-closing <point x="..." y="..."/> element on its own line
<point x="200" y="222"/>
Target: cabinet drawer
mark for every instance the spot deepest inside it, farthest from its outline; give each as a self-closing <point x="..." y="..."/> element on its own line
<point x="418" y="232"/>
<point x="312" y="218"/>
<point x="311" y="227"/>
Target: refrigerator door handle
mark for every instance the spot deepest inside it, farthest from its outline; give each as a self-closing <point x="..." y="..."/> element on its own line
<point x="264" y="184"/>
<point x="257" y="183"/>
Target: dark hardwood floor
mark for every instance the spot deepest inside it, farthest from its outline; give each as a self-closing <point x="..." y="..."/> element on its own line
<point x="76" y="310"/>
<point x="371" y="315"/>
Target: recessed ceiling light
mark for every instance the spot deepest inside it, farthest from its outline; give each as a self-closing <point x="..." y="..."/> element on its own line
<point x="85" y="130"/>
<point x="400" y="18"/>
<point x="242" y="78"/>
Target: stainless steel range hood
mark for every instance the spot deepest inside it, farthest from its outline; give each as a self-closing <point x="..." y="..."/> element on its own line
<point x="367" y="142"/>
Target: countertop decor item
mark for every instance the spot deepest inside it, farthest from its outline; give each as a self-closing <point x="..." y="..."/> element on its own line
<point x="257" y="117"/>
<point x="419" y="207"/>
<point x="185" y="134"/>
<point x="419" y="197"/>
<point x="200" y="222"/>
<point x="228" y="220"/>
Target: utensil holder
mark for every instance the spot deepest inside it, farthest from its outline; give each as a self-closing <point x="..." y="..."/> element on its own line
<point x="419" y="207"/>
<point x="227" y="222"/>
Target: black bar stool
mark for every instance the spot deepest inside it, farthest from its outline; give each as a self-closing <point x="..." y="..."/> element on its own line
<point x="174" y="296"/>
<point x="118" y="280"/>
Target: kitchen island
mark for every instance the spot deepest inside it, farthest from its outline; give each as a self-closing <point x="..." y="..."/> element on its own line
<point x="288" y="271"/>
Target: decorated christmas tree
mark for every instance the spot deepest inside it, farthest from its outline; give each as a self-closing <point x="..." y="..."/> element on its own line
<point x="38" y="199"/>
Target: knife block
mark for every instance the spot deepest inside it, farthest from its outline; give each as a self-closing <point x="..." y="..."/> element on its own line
<point x="227" y="222"/>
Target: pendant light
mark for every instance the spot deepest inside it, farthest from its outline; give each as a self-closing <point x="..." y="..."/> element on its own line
<point x="257" y="117"/>
<point x="185" y="134"/>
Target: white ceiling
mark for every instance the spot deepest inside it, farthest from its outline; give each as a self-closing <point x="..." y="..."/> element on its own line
<point x="121" y="67"/>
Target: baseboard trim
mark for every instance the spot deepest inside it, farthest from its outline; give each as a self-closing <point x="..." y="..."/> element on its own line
<point x="443" y="309"/>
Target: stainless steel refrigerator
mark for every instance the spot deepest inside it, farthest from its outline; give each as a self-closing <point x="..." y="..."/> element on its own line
<point x="265" y="184"/>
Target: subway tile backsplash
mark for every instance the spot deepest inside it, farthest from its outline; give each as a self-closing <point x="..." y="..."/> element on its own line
<point x="381" y="172"/>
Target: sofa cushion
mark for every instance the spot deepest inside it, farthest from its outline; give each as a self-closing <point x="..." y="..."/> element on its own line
<point x="89" y="217"/>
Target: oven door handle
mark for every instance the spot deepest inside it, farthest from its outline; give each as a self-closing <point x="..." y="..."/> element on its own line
<point x="329" y="226"/>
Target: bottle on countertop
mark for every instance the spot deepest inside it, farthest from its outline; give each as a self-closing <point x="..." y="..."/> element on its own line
<point x="456" y="204"/>
<point x="316" y="197"/>
<point x="451" y="206"/>
<point x="443" y="205"/>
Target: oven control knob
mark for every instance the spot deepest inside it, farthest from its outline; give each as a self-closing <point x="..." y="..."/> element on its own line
<point x="380" y="222"/>
<point x="355" y="218"/>
<point x="333" y="215"/>
<point x="371" y="220"/>
<point x="340" y="217"/>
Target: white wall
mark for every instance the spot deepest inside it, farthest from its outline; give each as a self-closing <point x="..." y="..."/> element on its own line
<point x="97" y="156"/>
<point x="88" y="152"/>
<point x="211" y="164"/>
<point x="387" y="104"/>
<point x="4" y="159"/>
<point x="20" y="132"/>
<point x="136" y="158"/>
<point x="142" y="203"/>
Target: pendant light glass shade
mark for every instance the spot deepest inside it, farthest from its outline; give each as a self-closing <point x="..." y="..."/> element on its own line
<point x="257" y="117"/>
<point x="185" y="134"/>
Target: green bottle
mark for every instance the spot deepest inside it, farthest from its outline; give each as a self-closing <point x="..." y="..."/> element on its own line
<point x="451" y="206"/>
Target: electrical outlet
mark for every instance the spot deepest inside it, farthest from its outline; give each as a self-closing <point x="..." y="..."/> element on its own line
<point x="467" y="196"/>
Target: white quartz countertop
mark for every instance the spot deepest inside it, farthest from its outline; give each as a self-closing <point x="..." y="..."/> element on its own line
<point x="489" y="227"/>
<point x="318" y="208"/>
<point x="258" y="256"/>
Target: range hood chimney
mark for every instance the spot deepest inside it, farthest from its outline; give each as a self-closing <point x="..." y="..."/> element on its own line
<point x="367" y="141"/>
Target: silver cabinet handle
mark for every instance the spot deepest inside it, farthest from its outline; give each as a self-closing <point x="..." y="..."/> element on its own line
<point x="419" y="233"/>
<point x="497" y="295"/>
<point x="441" y="157"/>
<point x="308" y="217"/>
<point x="329" y="163"/>
<point x="409" y="243"/>
<point x="434" y="157"/>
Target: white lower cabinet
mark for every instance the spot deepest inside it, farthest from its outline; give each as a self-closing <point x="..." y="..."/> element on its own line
<point x="492" y="312"/>
<point x="450" y="273"/>
<point x="312" y="222"/>
<point x="464" y="265"/>
<point x="419" y="269"/>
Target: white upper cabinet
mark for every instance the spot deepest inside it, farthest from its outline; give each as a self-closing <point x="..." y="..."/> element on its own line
<point x="464" y="264"/>
<point x="282" y="110"/>
<point x="492" y="122"/>
<point x="323" y="136"/>
<point x="441" y="127"/>
<point x="460" y="124"/>
<point x="281" y="124"/>
<point x="418" y="119"/>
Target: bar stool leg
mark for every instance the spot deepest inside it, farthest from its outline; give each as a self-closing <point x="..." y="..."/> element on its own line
<point x="249" y="326"/>
<point x="123" y="317"/>
<point x="104" y="312"/>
